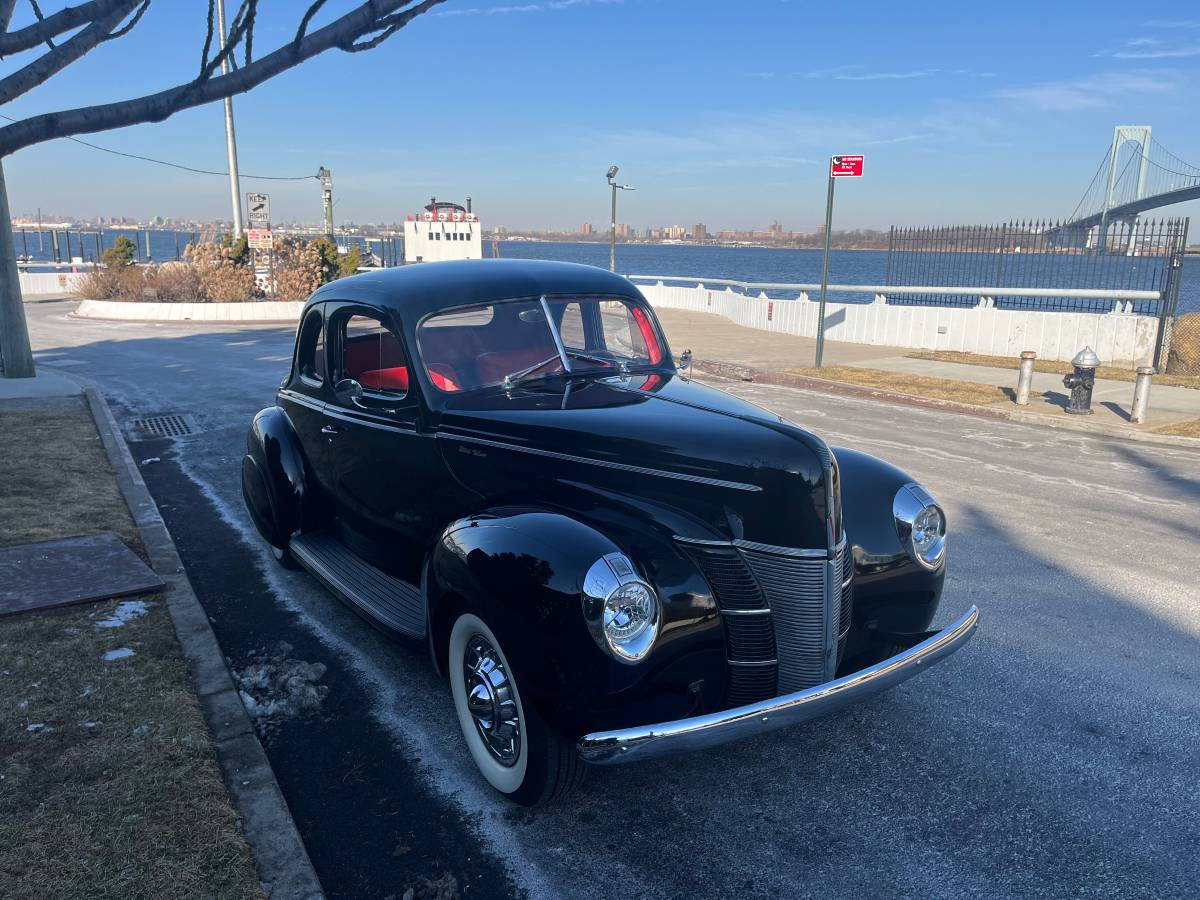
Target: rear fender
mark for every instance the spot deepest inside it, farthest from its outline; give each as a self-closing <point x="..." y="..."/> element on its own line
<point x="275" y="480"/>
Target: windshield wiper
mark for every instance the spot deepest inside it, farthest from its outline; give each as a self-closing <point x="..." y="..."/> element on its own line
<point x="512" y="379"/>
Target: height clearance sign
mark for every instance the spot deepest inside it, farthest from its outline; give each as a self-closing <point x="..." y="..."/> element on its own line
<point x="845" y="166"/>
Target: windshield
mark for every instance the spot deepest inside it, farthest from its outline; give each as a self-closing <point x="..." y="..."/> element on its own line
<point x="512" y="341"/>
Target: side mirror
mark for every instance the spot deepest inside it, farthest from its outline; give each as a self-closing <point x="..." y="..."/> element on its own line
<point x="348" y="392"/>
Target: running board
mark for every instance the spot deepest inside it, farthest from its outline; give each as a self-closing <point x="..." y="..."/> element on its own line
<point x="394" y="603"/>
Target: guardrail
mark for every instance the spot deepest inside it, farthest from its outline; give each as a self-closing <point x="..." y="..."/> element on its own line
<point x="1117" y="333"/>
<point x="882" y="290"/>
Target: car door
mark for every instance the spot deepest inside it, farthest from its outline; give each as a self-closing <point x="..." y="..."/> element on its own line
<point x="386" y="470"/>
<point x="304" y="395"/>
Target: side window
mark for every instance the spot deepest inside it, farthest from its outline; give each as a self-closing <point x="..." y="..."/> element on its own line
<point x="311" y="357"/>
<point x="570" y="327"/>
<point x="371" y="355"/>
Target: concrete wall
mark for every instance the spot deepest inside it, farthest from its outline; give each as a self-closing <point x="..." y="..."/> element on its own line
<point x="49" y="282"/>
<point x="257" y="311"/>
<point x="1116" y="337"/>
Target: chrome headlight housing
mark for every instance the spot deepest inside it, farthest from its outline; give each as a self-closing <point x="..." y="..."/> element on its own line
<point x="921" y="525"/>
<point x="622" y="610"/>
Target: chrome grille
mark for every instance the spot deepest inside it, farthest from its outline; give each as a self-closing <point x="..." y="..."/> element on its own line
<point x="795" y="589"/>
<point x="726" y="573"/>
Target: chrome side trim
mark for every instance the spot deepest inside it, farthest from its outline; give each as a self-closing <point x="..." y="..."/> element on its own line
<point x="782" y="551"/>
<point x="765" y="611"/>
<point x="761" y="548"/>
<point x="752" y="662"/>
<point x="588" y="460"/>
<point x="318" y="405"/>
<point x="701" y="732"/>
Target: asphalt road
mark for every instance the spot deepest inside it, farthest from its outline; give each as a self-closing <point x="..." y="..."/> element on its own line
<point x="1057" y="755"/>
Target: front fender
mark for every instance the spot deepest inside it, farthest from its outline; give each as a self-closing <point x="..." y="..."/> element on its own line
<point x="892" y="593"/>
<point x="522" y="570"/>
<point x="274" y="476"/>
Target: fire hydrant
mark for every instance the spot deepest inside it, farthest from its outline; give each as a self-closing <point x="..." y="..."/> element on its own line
<point x="1082" y="381"/>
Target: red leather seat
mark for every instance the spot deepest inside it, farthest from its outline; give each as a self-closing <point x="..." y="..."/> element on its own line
<point x="392" y="379"/>
<point x="444" y="378"/>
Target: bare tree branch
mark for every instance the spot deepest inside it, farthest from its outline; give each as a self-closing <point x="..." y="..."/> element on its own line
<point x="303" y="29"/>
<point x="50" y="64"/>
<point x="370" y="18"/>
<point x="37" y="12"/>
<point x="6" y="12"/>
<point x="55" y="24"/>
<point x="132" y="23"/>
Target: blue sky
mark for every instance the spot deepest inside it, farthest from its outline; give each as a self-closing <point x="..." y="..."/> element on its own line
<point x="718" y="112"/>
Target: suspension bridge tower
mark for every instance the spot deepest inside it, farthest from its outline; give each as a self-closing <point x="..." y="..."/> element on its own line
<point x="1122" y="135"/>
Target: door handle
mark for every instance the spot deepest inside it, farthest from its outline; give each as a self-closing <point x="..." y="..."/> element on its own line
<point x="331" y="429"/>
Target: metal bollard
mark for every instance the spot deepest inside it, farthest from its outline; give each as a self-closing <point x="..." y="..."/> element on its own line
<point x="1025" y="377"/>
<point x="1082" y="381"/>
<point x="1141" y="394"/>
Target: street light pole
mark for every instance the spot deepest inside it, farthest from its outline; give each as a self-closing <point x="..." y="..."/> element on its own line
<point x="235" y="190"/>
<point x="612" y="232"/>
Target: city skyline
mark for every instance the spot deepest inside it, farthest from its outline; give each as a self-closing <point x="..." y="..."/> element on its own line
<point x="735" y="140"/>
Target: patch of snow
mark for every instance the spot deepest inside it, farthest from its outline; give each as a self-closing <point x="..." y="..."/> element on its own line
<point x="150" y="460"/>
<point x="88" y="725"/>
<point x="144" y="729"/>
<point x="119" y="653"/>
<point x="126" y="611"/>
<point x="274" y="687"/>
<point x="88" y="691"/>
<point x="36" y="726"/>
<point x="23" y="705"/>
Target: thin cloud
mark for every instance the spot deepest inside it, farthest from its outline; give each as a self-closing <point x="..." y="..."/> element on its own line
<point x="1173" y="23"/>
<point x="1090" y="93"/>
<point x="856" y="73"/>
<point x="1161" y="53"/>
<point x="551" y="6"/>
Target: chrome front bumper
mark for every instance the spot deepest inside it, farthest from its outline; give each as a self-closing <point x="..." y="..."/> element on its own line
<point x="701" y="732"/>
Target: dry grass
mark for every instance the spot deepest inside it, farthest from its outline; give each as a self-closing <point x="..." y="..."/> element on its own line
<point x="108" y="783"/>
<point x="918" y="385"/>
<point x="1181" y="429"/>
<point x="57" y="482"/>
<point x="1046" y="365"/>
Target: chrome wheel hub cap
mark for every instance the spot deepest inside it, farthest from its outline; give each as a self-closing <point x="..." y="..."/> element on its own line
<point x="491" y="701"/>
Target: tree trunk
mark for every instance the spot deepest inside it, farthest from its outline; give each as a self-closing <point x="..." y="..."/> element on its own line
<point x="16" y="357"/>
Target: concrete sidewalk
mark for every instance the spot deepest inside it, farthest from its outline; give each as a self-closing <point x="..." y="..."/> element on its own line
<point x="714" y="338"/>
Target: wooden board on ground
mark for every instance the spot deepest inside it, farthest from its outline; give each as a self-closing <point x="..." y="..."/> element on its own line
<point x="70" y="570"/>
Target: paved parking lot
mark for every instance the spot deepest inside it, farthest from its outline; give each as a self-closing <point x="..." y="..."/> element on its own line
<point x="1057" y="755"/>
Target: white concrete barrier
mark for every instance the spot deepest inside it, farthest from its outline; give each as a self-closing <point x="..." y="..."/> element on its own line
<point x="50" y="282"/>
<point x="251" y="311"/>
<point x="1118" y="337"/>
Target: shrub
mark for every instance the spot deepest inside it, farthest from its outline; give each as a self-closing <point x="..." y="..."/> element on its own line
<point x="174" y="282"/>
<point x="120" y="254"/>
<point x="298" y="268"/>
<point x="1184" y="358"/>
<point x="222" y="279"/>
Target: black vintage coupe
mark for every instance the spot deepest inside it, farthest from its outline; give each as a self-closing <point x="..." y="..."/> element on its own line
<point x="611" y="562"/>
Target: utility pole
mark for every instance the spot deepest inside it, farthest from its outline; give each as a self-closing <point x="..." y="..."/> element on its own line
<point x="612" y="234"/>
<point x="235" y="189"/>
<point x="327" y="199"/>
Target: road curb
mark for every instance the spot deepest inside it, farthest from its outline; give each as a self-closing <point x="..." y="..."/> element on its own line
<point x="279" y="853"/>
<point x="737" y="372"/>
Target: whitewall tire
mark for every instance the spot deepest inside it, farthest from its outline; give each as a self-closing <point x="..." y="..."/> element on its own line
<point x="518" y="754"/>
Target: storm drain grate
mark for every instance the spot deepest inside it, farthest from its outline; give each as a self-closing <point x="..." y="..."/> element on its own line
<point x="170" y="426"/>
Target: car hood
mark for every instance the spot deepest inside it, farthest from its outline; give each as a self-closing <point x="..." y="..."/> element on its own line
<point x="732" y="469"/>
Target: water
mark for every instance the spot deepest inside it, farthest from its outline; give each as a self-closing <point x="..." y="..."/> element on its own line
<point x="760" y="264"/>
<point x="763" y="264"/>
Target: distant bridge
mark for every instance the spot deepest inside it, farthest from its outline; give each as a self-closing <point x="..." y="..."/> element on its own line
<point x="1137" y="174"/>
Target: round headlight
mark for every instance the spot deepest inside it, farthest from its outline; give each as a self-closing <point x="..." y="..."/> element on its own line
<point x="921" y="525"/>
<point x="621" y="609"/>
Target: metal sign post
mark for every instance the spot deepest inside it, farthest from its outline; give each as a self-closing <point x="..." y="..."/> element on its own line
<point x="839" y="167"/>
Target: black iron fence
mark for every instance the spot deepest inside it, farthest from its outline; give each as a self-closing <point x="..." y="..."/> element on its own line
<point x="1125" y="255"/>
